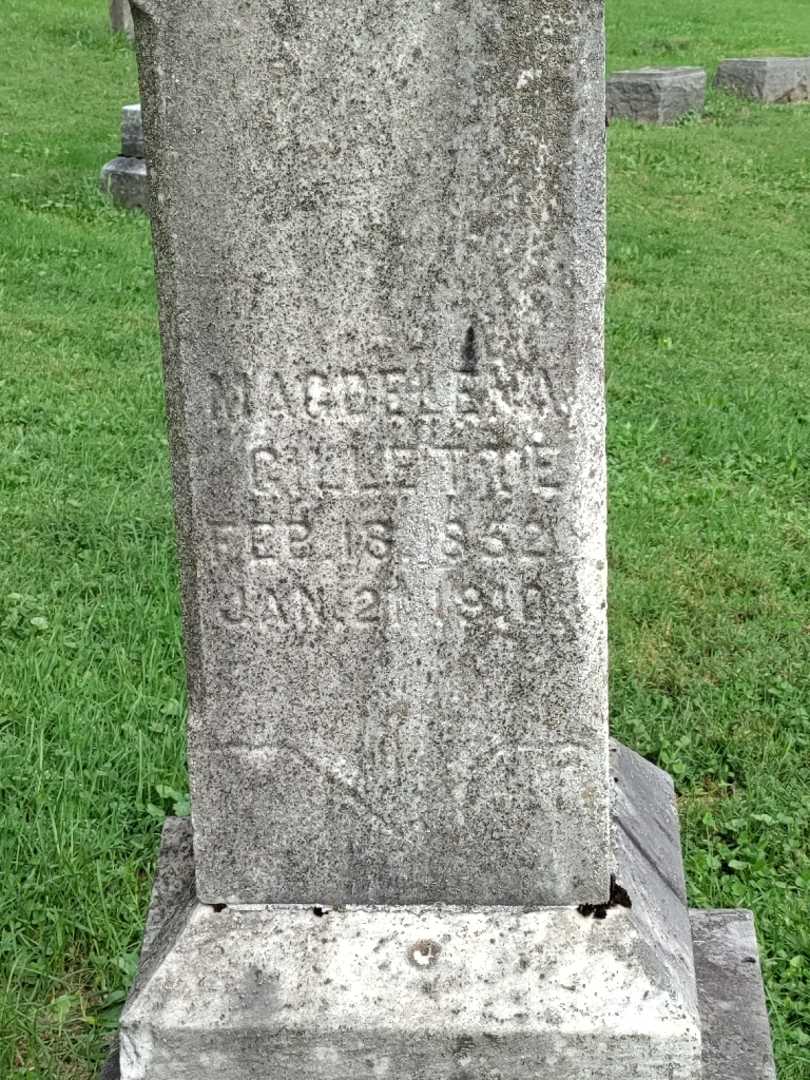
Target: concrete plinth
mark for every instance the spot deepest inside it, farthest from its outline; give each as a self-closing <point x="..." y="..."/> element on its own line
<point x="775" y="80"/>
<point x="656" y="95"/>
<point x="736" y="1034"/>
<point x="124" y="179"/>
<point x="590" y="993"/>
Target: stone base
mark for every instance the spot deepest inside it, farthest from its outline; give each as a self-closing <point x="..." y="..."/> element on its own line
<point x="656" y="95"/>
<point x="447" y="993"/>
<point x="736" y="1032"/>
<point x="776" y="80"/>
<point x="125" y="180"/>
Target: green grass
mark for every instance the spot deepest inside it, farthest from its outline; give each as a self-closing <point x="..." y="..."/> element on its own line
<point x="709" y="443"/>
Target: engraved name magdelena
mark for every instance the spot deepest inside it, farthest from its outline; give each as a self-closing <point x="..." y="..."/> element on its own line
<point x="392" y="394"/>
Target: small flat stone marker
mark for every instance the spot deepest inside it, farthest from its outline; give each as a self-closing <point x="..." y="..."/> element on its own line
<point x="656" y="95"/>
<point x="132" y="131"/>
<point x="379" y="236"/>
<point x="125" y="178"/>
<point x="121" y="21"/>
<point x="776" y="80"/>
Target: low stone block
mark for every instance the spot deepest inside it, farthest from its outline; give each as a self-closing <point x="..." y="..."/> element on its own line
<point x="776" y="80"/>
<point x="124" y="179"/>
<point x="451" y="992"/>
<point x="121" y="18"/>
<point x="655" y="95"/>
<point x="131" y="131"/>
<point x="736" y="1032"/>
<point x="602" y="992"/>
<point x="734" y="1018"/>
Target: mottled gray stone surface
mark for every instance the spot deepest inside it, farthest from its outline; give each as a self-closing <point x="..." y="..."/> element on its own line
<point x="131" y="131"/>
<point x="735" y="1030"/>
<point x="380" y="248"/>
<point x="655" y="95"/>
<point x="737" y="1036"/>
<point x="438" y="991"/>
<point x="121" y="17"/>
<point x="124" y="179"/>
<point x="775" y="80"/>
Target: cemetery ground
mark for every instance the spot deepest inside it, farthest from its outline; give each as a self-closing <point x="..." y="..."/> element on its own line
<point x="709" y="447"/>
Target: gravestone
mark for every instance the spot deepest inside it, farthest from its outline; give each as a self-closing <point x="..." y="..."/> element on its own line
<point x="121" y="18"/>
<point x="656" y="95"/>
<point x="391" y="478"/>
<point x="124" y="178"/>
<point x="132" y="132"/>
<point x="775" y="80"/>
<point x="379" y="236"/>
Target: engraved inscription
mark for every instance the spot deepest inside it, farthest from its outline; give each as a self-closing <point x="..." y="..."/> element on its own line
<point x="291" y="608"/>
<point x="393" y="394"/>
<point x="283" y="540"/>
<point x="229" y="396"/>
<point x="390" y="478"/>
<point x="372" y="536"/>
<point x="456" y="470"/>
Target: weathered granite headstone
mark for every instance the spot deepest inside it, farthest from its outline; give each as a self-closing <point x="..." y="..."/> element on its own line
<point x="379" y="233"/>
<point x="656" y="95"/>
<point x="387" y="409"/>
<point x="124" y="178"/>
<point x="121" y="18"/>
<point x="776" y="80"/>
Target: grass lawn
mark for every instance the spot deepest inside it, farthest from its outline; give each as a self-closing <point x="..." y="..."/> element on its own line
<point x="709" y="444"/>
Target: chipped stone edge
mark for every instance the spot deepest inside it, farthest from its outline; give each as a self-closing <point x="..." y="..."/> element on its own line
<point x="111" y="1069"/>
<point x="150" y="8"/>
